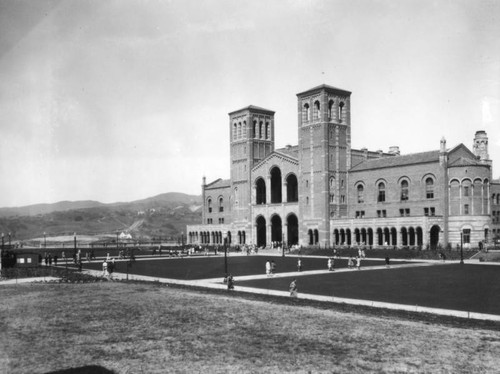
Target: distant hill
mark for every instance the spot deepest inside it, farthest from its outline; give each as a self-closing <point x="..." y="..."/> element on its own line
<point x="164" y="215"/>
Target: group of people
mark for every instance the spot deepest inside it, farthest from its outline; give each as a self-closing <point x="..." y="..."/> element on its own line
<point x="270" y="268"/>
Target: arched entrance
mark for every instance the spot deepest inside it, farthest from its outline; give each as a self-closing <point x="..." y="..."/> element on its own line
<point x="292" y="230"/>
<point x="260" y="223"/>
<point x="276" y="230"/>
<point x="434" y="236"/>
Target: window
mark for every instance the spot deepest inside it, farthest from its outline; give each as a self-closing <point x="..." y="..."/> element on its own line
<point x="360" y="194"/>
<point x="305" y="112"/>
<point x="466" y="190"/>
<point x="254" y="130"/>
<point x="466" y="236"/>
<point x="342" y="199"/>
<point x="426" y="211"/>
<point x="381" y="192"/>
<point x="429" y="188"/>
<point x="330" y="107"/>
<point x="360" y="214"/>
<point x="466" y="209"/>
<point x="221" y="207"/>
<point x="221" y="220"/>
<point x="406" y="212"/>
<point x="341" y="106"/>
<point x="209" y="205"/>
<point x="317" y="112"/>
<point x="381" y="213"/>
<point x="209" y="221"/>
<point x="404" y="190"/>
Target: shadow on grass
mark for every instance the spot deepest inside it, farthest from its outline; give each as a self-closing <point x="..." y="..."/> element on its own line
<point x="90" y="369"/>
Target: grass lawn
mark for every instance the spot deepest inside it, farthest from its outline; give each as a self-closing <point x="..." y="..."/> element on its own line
<point x="148" y="328"/>
<point x="213" y="267"/>
<point x="473" y="288"/>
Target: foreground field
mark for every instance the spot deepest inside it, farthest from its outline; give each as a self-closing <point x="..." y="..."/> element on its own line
<point x="148" y="328"/>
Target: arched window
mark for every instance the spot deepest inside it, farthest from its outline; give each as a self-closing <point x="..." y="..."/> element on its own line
<point x="260" y="187"/>
<point x="261" y="130"/>
<point x="330" y="109"/>
<point x="317" y="112"/>
<point x="305" y="112"/>
<point x="429" y="188"/>
<point x="239" y="130"/>
<point x="209" y="205"/>
<point x="381" y="192"/>
<point x="276" y="185"/>
<point x="333" y="187"/>
<point x="254" y="131"/>
<point x="404" y="190"/>
<point x="235" y="131"/>
<point x="268" y="134"/>
<point x="221" y="204"/>
<point x="341" y="107"/>
<point x="292" y="191"/>
<point x="361" y="191"/>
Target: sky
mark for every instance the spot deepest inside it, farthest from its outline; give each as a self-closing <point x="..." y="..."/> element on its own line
<point x="123" y="100"/>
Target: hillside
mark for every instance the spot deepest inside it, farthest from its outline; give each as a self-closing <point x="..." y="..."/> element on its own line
<point x="165" y="215"/>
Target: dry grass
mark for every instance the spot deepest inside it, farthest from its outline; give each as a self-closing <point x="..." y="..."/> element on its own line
<point x="147" y="328"/>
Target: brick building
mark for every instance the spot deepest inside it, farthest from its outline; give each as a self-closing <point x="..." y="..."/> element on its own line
<point x="323" y="192"/>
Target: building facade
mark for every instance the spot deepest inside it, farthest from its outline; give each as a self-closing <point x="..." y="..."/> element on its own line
<point x="322" y="192"/>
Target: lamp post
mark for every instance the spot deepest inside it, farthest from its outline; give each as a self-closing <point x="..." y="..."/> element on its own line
<point x="1" y="254"/>
<point x="461" y="248"/>
<point x="225" y="253"/>
<point x="282" y="245"/>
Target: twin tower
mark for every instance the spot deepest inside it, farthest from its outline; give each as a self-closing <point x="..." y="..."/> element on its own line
<point x="290" y="194"/>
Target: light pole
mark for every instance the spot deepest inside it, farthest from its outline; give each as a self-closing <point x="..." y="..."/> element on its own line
<point x="461" y="248"/>
<point x="1" y="254"/>
<point x="225" y="253"/>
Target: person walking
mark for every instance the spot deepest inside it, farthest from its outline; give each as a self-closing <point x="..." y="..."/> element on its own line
<point x="268" y="268"/>
<point x="293" y="288"/>
<point x="387" y="261"/>
<point x="230" y="282"/>
<point x="358" y="263"/>
<point x="331" y="264"/>
<point x="299" y="265"/>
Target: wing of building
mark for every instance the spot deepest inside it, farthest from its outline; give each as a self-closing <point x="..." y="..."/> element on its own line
<point x="323" y="192"/>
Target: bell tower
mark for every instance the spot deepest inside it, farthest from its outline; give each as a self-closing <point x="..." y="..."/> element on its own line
<point x="251" y="131"/>
<point x="480" y="146"/>
<point x="324" y="125"/>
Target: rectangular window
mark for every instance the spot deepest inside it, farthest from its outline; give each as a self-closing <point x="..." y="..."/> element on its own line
<point x="466" y="236"/>
<point x="433" y="211"/>
<point x="379" y="214"/>
<point x="384" y="213"/>
<point x="20" y="260"/>
<point x="221" y="209"/>
<point x="466" y="209"/>
<point x="466" y="190"/>
<point x="28" y="260"/>
<point x="407" y="212"/>
<point x="426" y="212"/>
<point x="401" y="212"/>
<point x="429" y="195"/>
<point x="209" y="210"/>
<point x="342" y="198"/>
